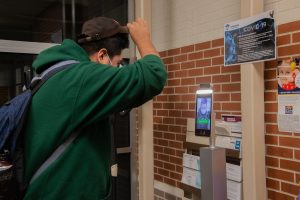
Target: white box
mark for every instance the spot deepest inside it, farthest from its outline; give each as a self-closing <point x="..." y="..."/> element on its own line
<point x="191" y="177"/>
<point x="228" y="142"/>
<point x="234" y="172"/>
<point x="191" y="161"/>
<point x="234" y="190"/>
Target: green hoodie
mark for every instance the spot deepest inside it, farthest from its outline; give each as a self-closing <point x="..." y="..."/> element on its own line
<point x="81" y="98"/>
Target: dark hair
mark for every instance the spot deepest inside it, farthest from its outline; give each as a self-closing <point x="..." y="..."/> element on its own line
<point x="114" y="44"/>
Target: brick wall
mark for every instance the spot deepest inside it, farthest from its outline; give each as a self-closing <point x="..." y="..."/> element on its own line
<point x="282" y="149"/>
<point x="191" y="65"/>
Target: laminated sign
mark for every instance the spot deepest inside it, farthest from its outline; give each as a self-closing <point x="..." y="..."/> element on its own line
<point x="250" y="40"/>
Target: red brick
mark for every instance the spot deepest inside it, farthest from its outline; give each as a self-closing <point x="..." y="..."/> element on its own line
<point x="289" y="50"/>
<point x="280" y="152"/>
<point x="181" y="106"/>
<point x="203" y="63"/>
<point x="274" y="184"/>
<point x="221" y="78"/>
<point x="180" y="58"/>
<point x="162" y="113"/>
<point x="181" y="90"/>
<point x="273" y="195"/>
<point x="157" y="120"/>
<point x="296" y="37"/>
<point x="204" y="79"/>
<point x="270" y="139"/>
<point x="204" y="45"/>
<point x="222" y="51"/>
<point x="187" y="49"/>
<point x="211" y="70"/>
<point x="217" y="106"/>
<point x="174" y="82"/>
<point x="168" y="120"/>
<point x="168" y="90"/>
<point x="162" y="127"/>
<point x="175" y="176"/>
<point x="212" y="53"/>
<point x="289" y="27"/>
<point x="173" y="67"/>
<point x="188" y="81"/>
<point x="280" y="174"/>
<point x="271" y="107"/>
<point x="170" y="181"/>
<point x="218" y="60"/>
<point x="169" y="151"/>
<point x="188" y="97"/>
<point x="181" y="121"/>
<point x="162" y="98"/>
<point x="193" y="89"/>
<point x="174" y="144"/>
<point x="180" y="138"/>
<point x="272" y="162"/>
<point x="188" y="65"/>
<point x="235" y="77"/>
<point x="229" y="69"/>
<point x="176" y="160"/>
<point x="284" y="39"/>
<point x="163" y="54"/>
<point x="218" y="42"/>
<point x="169" y="136"/>
<point x="188" y="114"/>
<point x="179" y="169"/>
<point x="168" y="60"/>
<point x="235" y="96"/>
<point x="174" y="98"/>
<point x="157" y="134"/>
<point x="192" y="106"/>
<point x="158" y="177"/>
<point x="270" y="96"/>
<point x="221" y="97"/>
<point x="163" y="157"/>
<point x="289" y="142"/>
<point x="157" y="105"/>
<point x="158" y="163"/>
<point x="163" y="172"/>
<point x="271" y="118"/>
<point x="195" y="56"/>
<point x="231" y="106"/>
<point x="235" y="87"/>
<point x="175" y="129"/>
<point x="297" y="155"/>
<point x="270" y="128"/>
<point x="270" y="74"/>
<point x="290" y="188"/>
<point x="169" y="166"/>
<point x="297" y="178"/>
<point x="174" y="52"/>
<point x="271" y="85"/>
<point x="272" y="64"/>
<point x="171" y="75"/>
<point x="195" y="72"/>
<point x="181" y="73"/>
<point x="175" y="113"/>
<point x="168" y="105"/>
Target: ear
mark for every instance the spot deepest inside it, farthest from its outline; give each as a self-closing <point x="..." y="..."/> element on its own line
<point x="102" y="56"/>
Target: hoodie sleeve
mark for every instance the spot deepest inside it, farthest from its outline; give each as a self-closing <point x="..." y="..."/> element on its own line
<point x="106" y="89"/>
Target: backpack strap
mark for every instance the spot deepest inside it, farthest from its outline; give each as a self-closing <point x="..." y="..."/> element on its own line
<point x="40" y="79"/>
<point x="35" y="85"/>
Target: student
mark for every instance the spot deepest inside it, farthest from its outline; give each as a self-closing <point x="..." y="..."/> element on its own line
<point x="81" y="98"/>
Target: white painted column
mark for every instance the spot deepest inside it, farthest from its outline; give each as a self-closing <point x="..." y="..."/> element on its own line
<point x="145" y="143"/>
<point x="252" y="89"/>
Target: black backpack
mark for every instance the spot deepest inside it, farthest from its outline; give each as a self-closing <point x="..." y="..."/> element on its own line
<point x="12" y="118"/>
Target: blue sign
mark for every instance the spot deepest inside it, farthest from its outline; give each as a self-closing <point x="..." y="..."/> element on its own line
<point x="250" y="40"/>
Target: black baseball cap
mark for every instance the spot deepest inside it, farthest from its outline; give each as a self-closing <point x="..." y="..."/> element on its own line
<point x="99" y="28"/>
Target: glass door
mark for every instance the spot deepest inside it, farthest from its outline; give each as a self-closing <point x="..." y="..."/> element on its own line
<point x="28" y="27"/>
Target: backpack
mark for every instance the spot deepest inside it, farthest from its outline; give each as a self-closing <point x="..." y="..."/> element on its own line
<point x="12" y="119"/>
